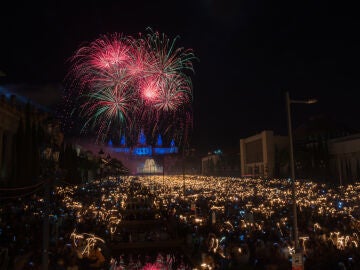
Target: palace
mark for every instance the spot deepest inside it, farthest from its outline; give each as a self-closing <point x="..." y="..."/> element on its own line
<point x="139" y="159"/>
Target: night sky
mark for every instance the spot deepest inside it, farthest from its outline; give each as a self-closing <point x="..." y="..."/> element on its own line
<point x="250" y="53"/>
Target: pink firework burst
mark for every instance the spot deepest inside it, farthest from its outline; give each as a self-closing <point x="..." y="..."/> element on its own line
<point x="128" y="83"/>
<point x="175" y="93"/>
<point x="107" y="52"/>
<point x="149" y="90"/>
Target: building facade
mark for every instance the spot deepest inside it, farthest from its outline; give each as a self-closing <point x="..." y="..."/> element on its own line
<point x="9" y="121"/>
<point x="258" y="154"/>
<point x="23" y="131"/>
<point x="141" y="158"/>
<point x="311" y="147"/>
<point x="209" y="164"/>
<point x="345" y="159"/>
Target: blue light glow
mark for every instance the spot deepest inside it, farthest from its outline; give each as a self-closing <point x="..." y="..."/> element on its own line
<point x="172" y="144"/>
<point x="340" y="205"/>
<point x="162" y="151"/>
<point x="173" y="150"/>
<point x="159" y="141"/>
<point x="121" y="150"/>
<point x="122" y="141"/>
<point x="142" y="151"/>
<point x="24" y="100"/>
<point x="142" y="138"/>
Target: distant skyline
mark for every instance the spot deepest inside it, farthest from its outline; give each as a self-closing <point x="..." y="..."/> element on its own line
<point x="250" y="53"/>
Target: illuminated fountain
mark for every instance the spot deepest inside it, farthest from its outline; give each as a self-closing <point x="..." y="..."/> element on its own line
<point x="150" y="167"/>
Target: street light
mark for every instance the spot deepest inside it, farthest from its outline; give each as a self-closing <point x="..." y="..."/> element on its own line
<point x="52" y="158"/>
<point x="292" y="166"/>
<point x="108" y="166"/>
<point x="163" y="173"/>
<point x="101" y="154"/>
<point x="183" y="173"/>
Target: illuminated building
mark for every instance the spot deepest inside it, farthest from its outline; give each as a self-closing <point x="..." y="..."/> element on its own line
<point x="141" y="158"/>
<point x="142" y="149"/>
<point x="144" y="152"/>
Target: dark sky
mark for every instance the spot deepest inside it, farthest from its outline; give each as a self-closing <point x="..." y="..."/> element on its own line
<point x="250" y="53"/>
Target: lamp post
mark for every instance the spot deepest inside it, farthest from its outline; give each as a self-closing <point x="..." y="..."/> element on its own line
<point x="163" y="173"/>
<point x="52" y="158"/>
<point x="183" y="173"/>
<point x="46" y="224"/>
<point x="292" y="166"/>
<point x="108" y="166"/>
<point x="101" y="154"/>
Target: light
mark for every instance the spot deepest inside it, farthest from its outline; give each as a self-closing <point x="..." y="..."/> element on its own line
<point x="340" y="205"/>
<point x="308" y="194"/>
<point x="311" y="101"/>
<point x="56" y="156"/>
<point x="47" y="153"/>
<point x="198" y="220"/>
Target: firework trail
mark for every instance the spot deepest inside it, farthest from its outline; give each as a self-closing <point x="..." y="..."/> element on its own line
<point x="124" y="83"/>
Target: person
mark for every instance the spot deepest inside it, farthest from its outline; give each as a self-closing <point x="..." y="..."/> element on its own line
<point x="121" y="265"/>
<point x="170" y="260"/>
<point x="4" y="258"/>
<point x="113" y="264"/>
<point x="72" y="265"/>
<point x="341" y="266"/>
<point x="60" y="264"/>
<point x="138" y="264"/>
<point x="97" y="257"/>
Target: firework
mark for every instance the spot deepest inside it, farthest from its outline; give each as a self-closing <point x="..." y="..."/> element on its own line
<point x="126" y="83"/>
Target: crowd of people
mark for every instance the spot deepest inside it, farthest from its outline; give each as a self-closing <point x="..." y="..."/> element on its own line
<point x="222" y="223"/>
<point x="83" y="227"/>
<point x="164" y="261"/>
<point x="250" y="221"/>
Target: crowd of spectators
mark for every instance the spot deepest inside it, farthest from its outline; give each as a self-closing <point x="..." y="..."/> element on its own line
<point x="220" y="226"/>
